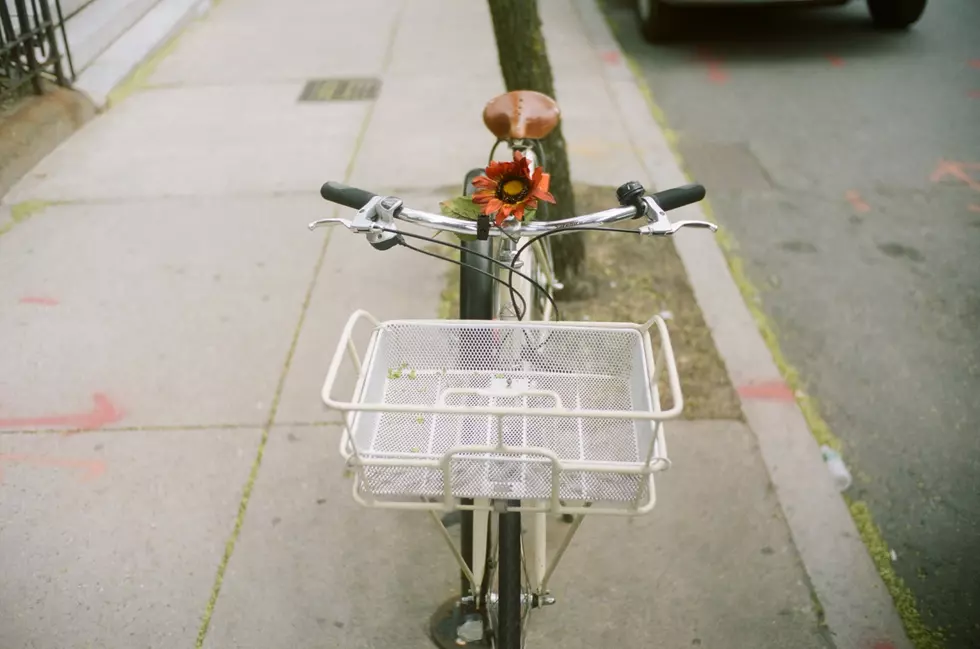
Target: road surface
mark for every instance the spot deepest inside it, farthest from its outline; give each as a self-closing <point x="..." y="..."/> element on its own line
<point x="845" y="162"/>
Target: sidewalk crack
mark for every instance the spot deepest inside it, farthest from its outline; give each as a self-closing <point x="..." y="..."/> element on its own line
<point x="253" y="474"/>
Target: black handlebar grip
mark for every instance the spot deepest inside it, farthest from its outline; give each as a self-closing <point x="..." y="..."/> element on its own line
<point x="671" y="199"/>
<point x="347" y="196"/>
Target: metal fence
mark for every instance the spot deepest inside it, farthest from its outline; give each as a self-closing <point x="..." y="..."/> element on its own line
<point x="33" y="47"/>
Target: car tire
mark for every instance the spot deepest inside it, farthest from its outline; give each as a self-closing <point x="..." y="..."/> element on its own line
<point x="895" y="14"/>
<point x="658" y="20"/>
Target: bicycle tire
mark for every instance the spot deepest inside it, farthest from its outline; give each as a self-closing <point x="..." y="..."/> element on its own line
<point x="510" y="608"/>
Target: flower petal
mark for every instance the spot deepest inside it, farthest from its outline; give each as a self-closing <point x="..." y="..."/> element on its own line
<point x="542" y="181"/>
<point x="481" y="198"/>
<point x="524" y="167"/>
<point x="495" y="170"/>
<point x="539" y="188"/>
<point x="543" y="195"/>
<point x="493" y="205"/>
<point x="484" y="182"/>
<point x="485" y="191"/>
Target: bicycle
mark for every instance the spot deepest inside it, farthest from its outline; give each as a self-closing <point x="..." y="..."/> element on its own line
<point x="503" y="411"/>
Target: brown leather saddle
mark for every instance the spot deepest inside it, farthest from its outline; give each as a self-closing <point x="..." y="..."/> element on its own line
<point x="521" y="114"/>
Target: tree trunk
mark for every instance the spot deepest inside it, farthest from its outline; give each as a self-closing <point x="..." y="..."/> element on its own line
<point x="525" y="66"/>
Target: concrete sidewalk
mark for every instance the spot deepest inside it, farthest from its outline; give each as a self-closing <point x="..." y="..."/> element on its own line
<point x="165" y="294"/>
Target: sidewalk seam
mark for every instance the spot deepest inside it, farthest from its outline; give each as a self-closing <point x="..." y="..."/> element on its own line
<point x="858" y="609"/>
<point x="257" y="463"/>
<point x="273" y="409"/>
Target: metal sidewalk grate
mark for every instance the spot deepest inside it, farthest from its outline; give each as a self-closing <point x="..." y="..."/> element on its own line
<point x="341" y="89"/>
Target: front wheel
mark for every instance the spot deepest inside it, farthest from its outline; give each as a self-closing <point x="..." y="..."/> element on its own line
<point x="510" y="594"/>
<point x="895" y="14"/>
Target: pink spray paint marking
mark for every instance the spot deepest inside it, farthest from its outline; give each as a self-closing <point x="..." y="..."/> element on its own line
<point x="854" y="198"/>
<point x="102" y="414"/>
<point x="768" y="390"/>
<point x="611" y="57"/>
<point x="961" y="171"/>
<point x="716" y="72"/>
<point x="34" y="299"/>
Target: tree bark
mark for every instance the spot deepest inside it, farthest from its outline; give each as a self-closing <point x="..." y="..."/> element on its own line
<point x="524" y="63"/>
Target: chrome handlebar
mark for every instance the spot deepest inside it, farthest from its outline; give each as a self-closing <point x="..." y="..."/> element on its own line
<point x="377" y="220"/>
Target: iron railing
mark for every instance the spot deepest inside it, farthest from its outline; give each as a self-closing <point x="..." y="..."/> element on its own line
<point x="31" y="51"/>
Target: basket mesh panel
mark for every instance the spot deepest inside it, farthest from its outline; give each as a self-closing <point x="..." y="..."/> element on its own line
<point x="588" y="368"/>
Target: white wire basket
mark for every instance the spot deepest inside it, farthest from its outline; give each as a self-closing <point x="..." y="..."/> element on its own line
<point x="455" y="414"/>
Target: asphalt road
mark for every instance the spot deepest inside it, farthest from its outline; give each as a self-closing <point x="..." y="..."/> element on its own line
<point x="845" y="163"/>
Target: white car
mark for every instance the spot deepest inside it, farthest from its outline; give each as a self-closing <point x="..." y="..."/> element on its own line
<point x="658" y="18"/>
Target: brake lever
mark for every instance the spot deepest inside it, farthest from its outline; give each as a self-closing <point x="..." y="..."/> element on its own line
<point x="344" y="222"/>
<point x="375" y="219"/>
<point x="660" y="228"/>
<point x="695" y="224"/>
<point x="367" y="218"/>
<point x="660" y="225"/>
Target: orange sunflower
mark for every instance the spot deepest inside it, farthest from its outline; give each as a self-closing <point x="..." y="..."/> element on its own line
<point x="509" y="188"/>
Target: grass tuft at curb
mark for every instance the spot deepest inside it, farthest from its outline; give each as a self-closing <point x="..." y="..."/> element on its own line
<point x="24" y="210"/>
<point x="921" y="635"/>
<point x="20" y="212"/>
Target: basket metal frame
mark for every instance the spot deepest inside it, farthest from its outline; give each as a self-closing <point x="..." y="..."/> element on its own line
<point x="656" y="457"/>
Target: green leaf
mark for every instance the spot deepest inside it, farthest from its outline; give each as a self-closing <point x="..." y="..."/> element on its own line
<point x="461" y="207"/>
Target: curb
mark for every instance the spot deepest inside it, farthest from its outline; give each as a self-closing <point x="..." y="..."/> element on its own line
<point x="857" y="607"/>
<point x="141" y="41"/>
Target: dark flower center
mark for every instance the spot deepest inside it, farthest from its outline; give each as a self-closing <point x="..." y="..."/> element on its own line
<point x="513" y="189"/>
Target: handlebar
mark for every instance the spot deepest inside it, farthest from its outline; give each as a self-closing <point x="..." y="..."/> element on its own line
<point x="375" y="213"/>
<point x="341" y="194"/>
<point x="671" y="199"/>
